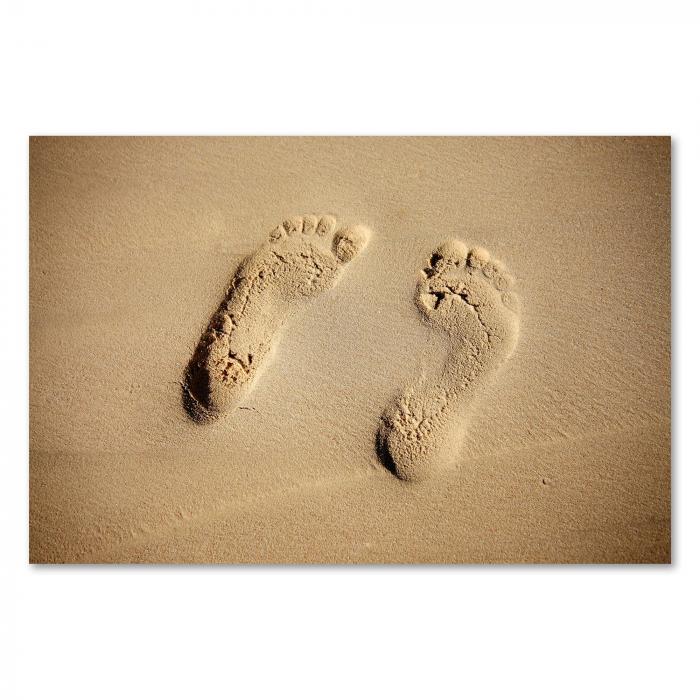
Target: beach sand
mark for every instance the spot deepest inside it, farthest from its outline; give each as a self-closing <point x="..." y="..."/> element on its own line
<point x="521" y="414"/>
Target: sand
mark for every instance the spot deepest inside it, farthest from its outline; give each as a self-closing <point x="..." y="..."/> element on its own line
<point x="350" y="350"/>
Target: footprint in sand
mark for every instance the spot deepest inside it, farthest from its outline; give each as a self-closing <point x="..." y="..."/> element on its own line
<point x="302" y="259"/>
<point x="464" y="295"/>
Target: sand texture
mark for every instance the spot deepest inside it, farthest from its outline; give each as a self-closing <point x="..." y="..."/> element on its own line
<point x="340" y="350"/>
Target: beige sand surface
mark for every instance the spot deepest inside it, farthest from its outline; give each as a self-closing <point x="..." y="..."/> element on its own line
<point x="562" y="454"/>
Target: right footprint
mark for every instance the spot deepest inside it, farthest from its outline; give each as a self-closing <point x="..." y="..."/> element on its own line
<point x="465" y="295"/>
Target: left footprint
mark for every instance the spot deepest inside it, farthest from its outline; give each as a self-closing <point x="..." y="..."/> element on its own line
<point x="303" y="257"/>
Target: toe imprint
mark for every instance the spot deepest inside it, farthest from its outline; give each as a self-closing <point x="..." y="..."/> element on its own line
<point x="326" y="225"/>
<point x="349" y="242"/>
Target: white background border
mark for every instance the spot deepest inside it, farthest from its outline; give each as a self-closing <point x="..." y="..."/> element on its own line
<point x="347" y="68"/>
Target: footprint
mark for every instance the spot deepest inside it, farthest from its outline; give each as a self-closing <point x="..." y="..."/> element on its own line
<point x="465" y="295"/>
<point x="302" y="259"/>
